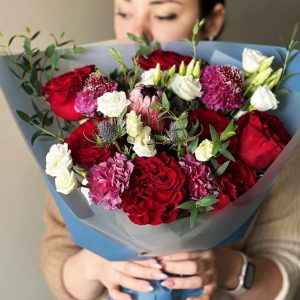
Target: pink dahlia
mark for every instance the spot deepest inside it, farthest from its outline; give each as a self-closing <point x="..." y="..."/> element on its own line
<point x="144" y="96"/>
<point x="108" y="180"/>
<point x="95" y="86"/>
<point x="222" y="88"/>
<point x="199" y="179"/>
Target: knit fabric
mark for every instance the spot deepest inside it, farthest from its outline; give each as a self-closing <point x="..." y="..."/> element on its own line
<point x="275" y="234"/>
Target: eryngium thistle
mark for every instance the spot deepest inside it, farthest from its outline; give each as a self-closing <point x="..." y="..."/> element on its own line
<point x="108" y="132"/>
<point x="172" y="133"/>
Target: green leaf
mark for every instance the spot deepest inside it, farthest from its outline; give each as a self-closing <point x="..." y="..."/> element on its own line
<point x="187" y="205"/>
<point x="37" y="110"/>
<point x="182" y="122"/>
<point x="193" y="217"/>
<point x="11" y="40"/>
<point x="222" y="168"/>
<point x="165" y="102"/>
<point x="35" y="136"/>
<point x="27" y="46"/>
<point x="193" y="145"/>
<point x="28" y="30"/>
<point x="49" y="51"/>
<point x="206" y="201"/>
<point x="281" y="54"/>
<point x="156" y="106"/>
<point x="133" y="37"/>
<point x="282" y="92"/>
<point x="68" y="57"/>
<point x="35" y="35"/>
<point x="33" y="77"/>
<point x="227" y="135"/>
<point x="27" y="88"/>
<point x="24" y="116"/>
<point x="227" y="154"/>
<point x="216" y="148"/>
<point x="78" y="50"/>
<point x="18" y="76"/>
<point x="54" y="59"/>
<point x="214" y="135"/>
<point x="145" y="38"/>
<point x="214" y="162"/>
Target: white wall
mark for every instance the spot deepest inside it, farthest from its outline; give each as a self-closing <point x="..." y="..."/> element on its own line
<point x="23" y="189"/>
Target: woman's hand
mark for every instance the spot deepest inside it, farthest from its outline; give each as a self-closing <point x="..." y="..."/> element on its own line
<point x="201" y="268"/>
<point x="115" y="274"/>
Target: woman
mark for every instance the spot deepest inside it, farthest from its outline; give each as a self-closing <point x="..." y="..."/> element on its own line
<point x="272" y="246"/>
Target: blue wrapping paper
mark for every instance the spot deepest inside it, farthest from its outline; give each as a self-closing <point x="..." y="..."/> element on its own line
<point x="74" y="212"/>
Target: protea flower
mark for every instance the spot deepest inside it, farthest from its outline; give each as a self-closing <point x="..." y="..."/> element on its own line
<point x="144" y="96"/>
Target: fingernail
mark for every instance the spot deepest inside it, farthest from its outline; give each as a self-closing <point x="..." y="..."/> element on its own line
<point x="167" y="283"/>
<point x="161" y="276"/>
<point x="156" y="266"/>
<point x="126" y="298"/>
<point x="148" y="288"/>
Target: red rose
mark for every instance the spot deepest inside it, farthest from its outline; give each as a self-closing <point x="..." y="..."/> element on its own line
<point x="262" y="138"/>
<point x="166" y="59"/>
<point x="83" y="150"/>
<point x="61" y="92"/>
<point x="237" y="179"/>
<point x="154" y="191"/>
<point x="218" y="120"/>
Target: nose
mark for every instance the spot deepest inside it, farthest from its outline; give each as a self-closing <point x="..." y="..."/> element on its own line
<point x="143" y="26"/>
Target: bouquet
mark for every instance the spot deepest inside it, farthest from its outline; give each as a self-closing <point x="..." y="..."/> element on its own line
<point x="158" y="143"/>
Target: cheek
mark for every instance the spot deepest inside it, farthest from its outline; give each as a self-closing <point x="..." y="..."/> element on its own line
<point x="122" y="28"/>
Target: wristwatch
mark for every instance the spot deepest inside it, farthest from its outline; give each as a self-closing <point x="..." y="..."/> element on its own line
<point x="246" y="277"/>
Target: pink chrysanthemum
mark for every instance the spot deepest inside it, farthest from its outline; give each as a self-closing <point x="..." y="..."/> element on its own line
<point x="95" y="86"/>
<point x="222" y="87"/>
<point x="108" y="180"/>
<point x="199" y="179"/>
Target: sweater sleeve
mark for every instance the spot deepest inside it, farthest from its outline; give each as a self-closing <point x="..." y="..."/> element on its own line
<point x="57" y="246"/>
<point x="276" y="234"/>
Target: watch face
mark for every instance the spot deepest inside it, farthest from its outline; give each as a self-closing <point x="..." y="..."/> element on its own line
<point x="249" y="276"/>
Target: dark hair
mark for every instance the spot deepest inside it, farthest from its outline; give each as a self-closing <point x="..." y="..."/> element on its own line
<point x="207" y="6"/>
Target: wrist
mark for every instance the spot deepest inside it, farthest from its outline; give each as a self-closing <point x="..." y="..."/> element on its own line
<point x="229" y="263"/>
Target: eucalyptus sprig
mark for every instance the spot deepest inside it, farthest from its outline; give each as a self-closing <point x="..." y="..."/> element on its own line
<point x="196" y="208"/>
<point x="33" y="67"/>
<point x="287" y="58"/>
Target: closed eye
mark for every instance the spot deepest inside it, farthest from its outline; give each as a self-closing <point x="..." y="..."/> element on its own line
<point x="167" y="17"/>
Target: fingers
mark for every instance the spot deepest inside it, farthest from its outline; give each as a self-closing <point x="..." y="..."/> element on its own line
<point x="115" y="294"/>
<point x="182" y="256"/>
<point x="192" y="282"/>
<point x="131" y="283"/>
<point x="207" y="294"/>
<point x="152" y="263"/>
<point x="140" y="271"/>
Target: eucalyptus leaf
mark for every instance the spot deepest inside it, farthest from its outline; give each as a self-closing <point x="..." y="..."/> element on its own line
<point x="206" y="201"/>
<point x="193" y="145"/>
<point x="24" y="116"/>
<point x="165" y="102"/>
<point x="194" y="217"/>
<point x="50" y="50"/>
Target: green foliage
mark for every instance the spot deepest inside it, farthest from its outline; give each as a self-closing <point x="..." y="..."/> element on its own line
<point x="33" y="68"/>
<point x="199" y="207"/>
<point x="146" y="47"/>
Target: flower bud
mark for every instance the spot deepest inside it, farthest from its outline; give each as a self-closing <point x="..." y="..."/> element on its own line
<point x="204" y="151"/>
<point x="260" y="78"/>
<point x="172" y="71"/>
<point x="157" y="76"/>
<point x="190" y="67"/>
<point x="274" y="79"/>
<point x="182" y="69"/>
<point x="197" y="70"/>
<point x="265" y="64"/>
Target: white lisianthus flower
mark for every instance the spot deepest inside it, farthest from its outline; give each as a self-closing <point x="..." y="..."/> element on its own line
<point x="112" y="104"/>
<point x="263" y="99"/>
<point x="186" y="87"/>
<point x="252" y="59"/>
<point x="147" y="77"/>
<point x="143" y="145"/>
<point x="57" y="159"/>
<point x="204" y="151"/>
<point x="134" y="125"/>
<point x="66" y="182"/>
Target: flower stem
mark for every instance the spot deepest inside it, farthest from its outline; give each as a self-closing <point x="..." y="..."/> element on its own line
<point x="47" y="132"/>
<point x="118" y="146"/>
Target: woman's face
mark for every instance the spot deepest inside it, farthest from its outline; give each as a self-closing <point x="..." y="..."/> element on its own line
<point x="162" y="20"/>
